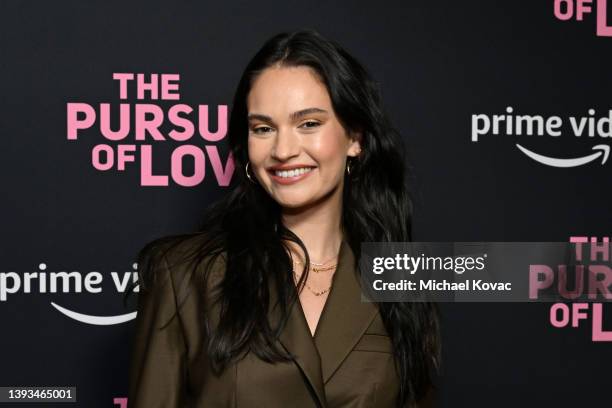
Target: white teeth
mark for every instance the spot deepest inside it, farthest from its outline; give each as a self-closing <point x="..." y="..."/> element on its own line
<point x="293" y="172"/>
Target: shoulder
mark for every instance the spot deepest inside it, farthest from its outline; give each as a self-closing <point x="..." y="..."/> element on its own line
<point x="180" y="258"/>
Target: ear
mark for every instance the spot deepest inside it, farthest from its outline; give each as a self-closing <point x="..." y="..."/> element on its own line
<point x="355" y="145"/>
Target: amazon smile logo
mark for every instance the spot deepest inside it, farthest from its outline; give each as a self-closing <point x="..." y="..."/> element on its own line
<point x="43" y="282"/>
<point x="589" y="128"/>
<point x="601" y="151"/>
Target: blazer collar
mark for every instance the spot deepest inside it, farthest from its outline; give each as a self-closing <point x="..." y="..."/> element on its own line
<point x="343" y="321"/>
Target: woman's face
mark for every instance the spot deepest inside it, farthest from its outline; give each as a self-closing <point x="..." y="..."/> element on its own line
<point x="297" y="146"/>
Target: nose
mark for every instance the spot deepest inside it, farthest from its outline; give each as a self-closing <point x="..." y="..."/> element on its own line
<point x="286" y="145"/>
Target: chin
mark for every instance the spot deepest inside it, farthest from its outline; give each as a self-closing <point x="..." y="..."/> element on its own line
<point x="293" y="204"/>
<point x="293" y="200"/>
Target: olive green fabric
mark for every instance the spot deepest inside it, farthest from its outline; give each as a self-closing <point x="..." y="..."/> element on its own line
<point x="348" y="362"/>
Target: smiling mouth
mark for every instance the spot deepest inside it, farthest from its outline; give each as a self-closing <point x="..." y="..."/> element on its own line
<point x="286" y="174"/>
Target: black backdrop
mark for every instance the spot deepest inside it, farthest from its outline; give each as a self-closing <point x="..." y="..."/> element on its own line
<point x="438" y="64"/>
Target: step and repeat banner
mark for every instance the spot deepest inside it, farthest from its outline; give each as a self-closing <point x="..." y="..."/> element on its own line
<point x="113" y="120"/>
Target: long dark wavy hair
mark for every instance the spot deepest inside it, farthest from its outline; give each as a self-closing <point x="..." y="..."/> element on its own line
<point x="245" y="227"/>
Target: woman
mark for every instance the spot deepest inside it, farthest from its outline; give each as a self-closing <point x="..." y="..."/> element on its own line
<point x="263" y="307"/>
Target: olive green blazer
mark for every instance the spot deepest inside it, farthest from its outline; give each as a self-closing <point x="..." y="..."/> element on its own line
<point x="348" y="362"/>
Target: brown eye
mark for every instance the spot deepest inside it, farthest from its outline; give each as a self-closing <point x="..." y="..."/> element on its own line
<point x="262" y="129"/>
<point x="310" y="124"/>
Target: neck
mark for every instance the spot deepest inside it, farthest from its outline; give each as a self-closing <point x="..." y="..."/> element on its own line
<point x="319" y="226"/>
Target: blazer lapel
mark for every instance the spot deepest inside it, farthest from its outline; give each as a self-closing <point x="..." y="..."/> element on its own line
<point x="342" y="323"/>
<point x="344" y="318"/>
<point x="297" y="340"/>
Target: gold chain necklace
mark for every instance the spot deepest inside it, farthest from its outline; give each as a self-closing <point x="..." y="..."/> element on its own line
<point x="319" y="270"/>
<point x="315" y="263"/>
<point x="314" y="292"/>
<point x="313" y="268"/>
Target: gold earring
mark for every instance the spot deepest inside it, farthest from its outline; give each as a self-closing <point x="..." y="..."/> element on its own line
<point x="246" y="170"/>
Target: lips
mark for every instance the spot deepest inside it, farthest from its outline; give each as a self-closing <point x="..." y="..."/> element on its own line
<point x="290" y="174"/>
<point x="289" y="167"/>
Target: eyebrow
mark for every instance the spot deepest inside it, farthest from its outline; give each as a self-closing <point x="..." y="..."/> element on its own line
<point x="294" y="116"/>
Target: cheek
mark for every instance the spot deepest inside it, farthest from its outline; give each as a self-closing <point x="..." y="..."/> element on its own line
<point x="257" y="151"/>
<point x="330" y="150"/>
